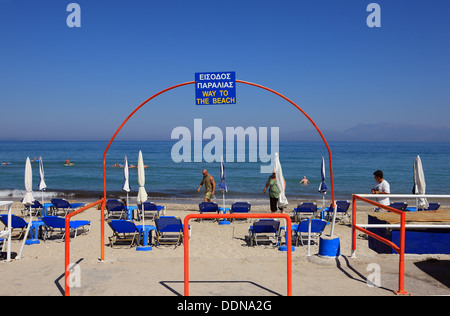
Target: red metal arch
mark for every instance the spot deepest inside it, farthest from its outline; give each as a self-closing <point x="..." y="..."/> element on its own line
<point x="177" y="86"/>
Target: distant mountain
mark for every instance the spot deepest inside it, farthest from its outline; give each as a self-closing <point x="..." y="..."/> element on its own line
<point x="377" y="132"/>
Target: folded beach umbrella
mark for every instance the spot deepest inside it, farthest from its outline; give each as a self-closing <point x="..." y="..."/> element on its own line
<point x="28" y="199"/>
<point x="42" y="185"/>
<point x="142" y="194"/>
<point x="323" y="186"/>
<point x="222" y="185"/>
<point x="282" y="200"/>
<point x="126" y="185"/>
<point x="223" y="188"/>
<point x="419" y="183"/>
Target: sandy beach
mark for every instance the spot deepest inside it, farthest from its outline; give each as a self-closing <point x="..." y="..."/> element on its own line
<point x="221" y="264"/>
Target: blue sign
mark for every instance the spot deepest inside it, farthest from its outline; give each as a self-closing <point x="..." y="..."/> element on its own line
<point x="215" y="88"/>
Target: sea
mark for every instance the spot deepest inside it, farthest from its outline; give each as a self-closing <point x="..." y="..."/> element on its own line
<point x="353" y="166"/>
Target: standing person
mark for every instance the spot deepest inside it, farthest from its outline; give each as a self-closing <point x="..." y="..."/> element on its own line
<point x="210" y="185"/>
<point x="381" y="187"/>
<point x="274" y="192"/>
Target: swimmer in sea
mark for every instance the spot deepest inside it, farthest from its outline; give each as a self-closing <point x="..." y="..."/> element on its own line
<point x="304" y="181"/>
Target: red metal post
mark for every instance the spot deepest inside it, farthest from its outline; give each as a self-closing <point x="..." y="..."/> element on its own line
<point x="399" y="249"/>
<point x="255" y="215"/>
<point x="67" y="243"/>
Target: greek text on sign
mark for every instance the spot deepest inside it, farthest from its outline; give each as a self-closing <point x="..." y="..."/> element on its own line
<point x="215" y="88"/>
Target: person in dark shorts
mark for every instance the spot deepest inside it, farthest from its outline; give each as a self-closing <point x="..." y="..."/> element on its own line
<point x="274" y="192"/>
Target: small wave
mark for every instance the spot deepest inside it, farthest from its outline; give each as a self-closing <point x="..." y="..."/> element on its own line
<point x="18" y="194"/>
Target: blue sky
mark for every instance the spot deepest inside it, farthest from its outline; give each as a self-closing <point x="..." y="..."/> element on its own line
<point x="61" y="83"/>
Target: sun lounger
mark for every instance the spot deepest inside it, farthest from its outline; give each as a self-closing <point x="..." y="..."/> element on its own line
<point x="151" y="210"/>
<point x="267" y="230"/>
<point x="36" y="209"/>
<point x="64" y="206"/>
<point x="305" y="209"/>
<point x="401" y="206"/>
<point x="341" y="211"/>
<point x="169" y="230"/>
<point x="123" y="231"/>
<point x="54" y="223"/>
<point x="115" y="209"/>
<point x="16" y="223"/>
<point x="208" y="207"/>
<point x="301" y="230"/>
<point x="431" y="207"/>
<point x="240" y="207"/>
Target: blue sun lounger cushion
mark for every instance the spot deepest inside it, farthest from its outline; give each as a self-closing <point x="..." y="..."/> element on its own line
<point x="240" y="207"/>
<point x="208" y="207"/>
<point x="265" y="230"/>
<point x="304" y="210"/>
<point x="431" y="207"/>
<point x="54" y="222"/>
<point x="64" y="206"/>
<point x="123" y="231"/>
<point x="115" y="208"/>
<point x="169" y="230"/>
<point x="401" y="206"/>
<point x="341" y="211"/>
<point x="301" y="230"/>
<point x="36" y="209"/>
<point x="16" y="223"/>
<point x="151" y="209"/>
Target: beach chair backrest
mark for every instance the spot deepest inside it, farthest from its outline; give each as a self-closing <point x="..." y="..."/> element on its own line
<point x="317" y="226"/>
<point x="342" y="206"/>
<point x="169" y="224"/>
<point x="266" y="226"/>
<point x="307" y="207"/>
<point x="433" y="206"/>
<point x="54" y="221"/>
<point x="240" y="207"/>
<point x="148" y="206"/>
<point x="123" y="226"/>
<point x="60" y="203"/>
<point x="399" y="206"/>
<point x="36" y="204"/>
<point x="115" y="205"/>
<point x="208" y="207"/>
<point x="16" y="221"/>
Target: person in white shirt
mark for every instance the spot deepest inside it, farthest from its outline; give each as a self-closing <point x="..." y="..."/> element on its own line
<point x="381" y="187"/>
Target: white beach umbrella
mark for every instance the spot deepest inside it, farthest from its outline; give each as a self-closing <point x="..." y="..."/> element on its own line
<point x="282" y="200"/>
<point x="419" y="183"/>
<point x="142" y="194"/>
<point x="42" y="185"/>
<point x="126" y="185"/>
<point x="28" y="199"/>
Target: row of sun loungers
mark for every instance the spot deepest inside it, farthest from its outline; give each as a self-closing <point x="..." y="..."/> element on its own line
<point x="169" y="229"/>
<point x="51" y="225"/>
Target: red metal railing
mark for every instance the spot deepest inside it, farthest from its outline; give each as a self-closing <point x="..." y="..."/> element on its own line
<point x="213" y="216"/>
<point x="67" y="241"/>
<point x="399" y="249"/>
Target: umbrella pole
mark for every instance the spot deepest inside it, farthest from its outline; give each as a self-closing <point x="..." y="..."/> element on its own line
<point x="26" y="234"/>
<point x="334" y="219"/>
<point x="224" y="221"/>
